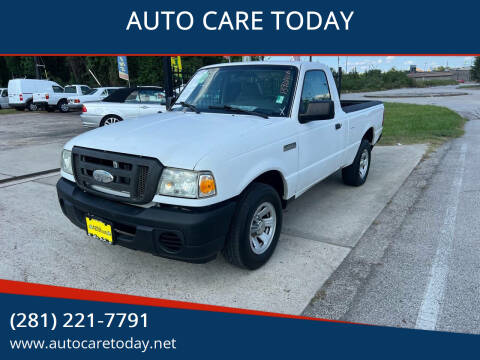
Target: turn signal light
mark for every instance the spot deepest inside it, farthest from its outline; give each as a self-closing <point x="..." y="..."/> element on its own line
<point x="47" y="96"/>
<point x="84" y="109"/>
<point x="21" y="97"/>
<point x="76" y="101"/>
<point x="206" y="185"/>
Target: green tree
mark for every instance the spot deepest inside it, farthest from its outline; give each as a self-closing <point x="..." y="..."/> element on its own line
<point x="476" y="69"/>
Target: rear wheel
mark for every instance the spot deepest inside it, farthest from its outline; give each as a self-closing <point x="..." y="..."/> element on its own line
<point x="31" y="106"/>
<point x="255" y="228"/>
<point x="63" y="106"/>
<point x="109" y="120"/>
<point x="356" y="174"/>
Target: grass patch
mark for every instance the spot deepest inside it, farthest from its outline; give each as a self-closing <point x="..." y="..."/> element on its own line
<point x="469" y="87"/>
<point x="417" y="124"/>
<point x="7" y="111"/>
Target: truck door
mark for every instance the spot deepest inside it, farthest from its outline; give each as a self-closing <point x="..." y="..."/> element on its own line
<point x="130" y="108"/>
<point x="320" y="139"/>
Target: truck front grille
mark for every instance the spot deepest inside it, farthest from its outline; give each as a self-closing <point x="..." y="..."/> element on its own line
<point x="135" y="178"/>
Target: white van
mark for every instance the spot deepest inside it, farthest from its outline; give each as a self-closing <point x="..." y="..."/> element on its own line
<point x="3" y="98"/>
<point x="20" y="92"/>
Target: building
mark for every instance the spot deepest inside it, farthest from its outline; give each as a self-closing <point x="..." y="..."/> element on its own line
<point x="432" y="75"/>
<point x="463" y="73"/>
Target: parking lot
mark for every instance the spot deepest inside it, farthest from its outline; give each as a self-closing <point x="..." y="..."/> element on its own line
<point x="40" y="245"/>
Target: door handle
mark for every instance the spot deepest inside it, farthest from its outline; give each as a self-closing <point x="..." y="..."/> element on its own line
<point x="144" y="107"/>
<point x="338" y="126"/>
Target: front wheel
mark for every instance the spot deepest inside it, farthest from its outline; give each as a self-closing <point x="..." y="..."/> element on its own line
<point x="255" y="228"/>
<point x="356" y="174"/>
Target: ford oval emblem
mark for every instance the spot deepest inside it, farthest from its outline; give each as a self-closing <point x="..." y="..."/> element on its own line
<point x="103" y="176"/>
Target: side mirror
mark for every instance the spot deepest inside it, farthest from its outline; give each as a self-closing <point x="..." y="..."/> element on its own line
<point x="321" y="110"/>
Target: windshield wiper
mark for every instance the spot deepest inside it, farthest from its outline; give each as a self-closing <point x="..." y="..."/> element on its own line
<point x="190" y="106"/>
<point x="238" y="110"/>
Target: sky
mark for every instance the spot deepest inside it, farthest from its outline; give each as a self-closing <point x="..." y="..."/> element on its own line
<point x="385" y="63"/>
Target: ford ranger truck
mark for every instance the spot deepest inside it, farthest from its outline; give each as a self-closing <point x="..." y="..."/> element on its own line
<point x="215" y="172"/>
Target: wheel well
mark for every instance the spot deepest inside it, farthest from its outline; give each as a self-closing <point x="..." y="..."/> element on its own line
<point x="112" y="115"/>
<point x="369" y="135"/>
<point x="274" y="179"/>
<point x="62" y="100"/>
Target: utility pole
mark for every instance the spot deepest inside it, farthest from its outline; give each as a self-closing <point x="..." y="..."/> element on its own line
<point x="37" y="72"/>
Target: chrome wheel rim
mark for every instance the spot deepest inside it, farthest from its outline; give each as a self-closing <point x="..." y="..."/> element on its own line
<point x="33" y="107"/>
<point x="64" y="107"/>
<point x="110" y="121"/>
<point x="262" y="228"/>
<point x="363" y="164"/>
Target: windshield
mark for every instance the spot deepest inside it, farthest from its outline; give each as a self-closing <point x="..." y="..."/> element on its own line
<point x="265" y="89"/>
<point x="70" y="89"/>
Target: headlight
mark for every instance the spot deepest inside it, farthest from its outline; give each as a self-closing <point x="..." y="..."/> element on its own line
<point x="186" y="183"/>
<point x="66" y="162"/>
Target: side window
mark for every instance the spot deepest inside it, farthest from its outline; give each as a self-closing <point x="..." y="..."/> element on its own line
<point x="5" y="93"/>
<point x="57" y="89"/>
<point x="133" y="97"/>
<point x="315" y="93"/>
<point x="111" y="91"/>
<point x="152" y="96"/>
<point x="85" y="89"/>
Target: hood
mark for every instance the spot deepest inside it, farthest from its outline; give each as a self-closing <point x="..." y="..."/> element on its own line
<point x="176" y="139"/>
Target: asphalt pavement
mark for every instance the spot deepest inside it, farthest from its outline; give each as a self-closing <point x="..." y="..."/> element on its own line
<point x="418" y="265"/>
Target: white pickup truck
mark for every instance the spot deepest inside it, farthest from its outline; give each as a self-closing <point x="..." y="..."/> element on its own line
<point x="56" y="97"/>
<point x="214" y="173"/>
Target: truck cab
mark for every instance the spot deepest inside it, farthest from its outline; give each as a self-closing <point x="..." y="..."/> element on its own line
<point x="215" y="172"/>
<point x="55" y="97"/>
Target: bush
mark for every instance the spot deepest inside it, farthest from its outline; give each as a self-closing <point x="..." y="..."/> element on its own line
<point x="375" y="80"/>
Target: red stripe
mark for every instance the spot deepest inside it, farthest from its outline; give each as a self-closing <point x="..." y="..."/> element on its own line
<point x="338" y="54"/>
<point x="33" y="289"/>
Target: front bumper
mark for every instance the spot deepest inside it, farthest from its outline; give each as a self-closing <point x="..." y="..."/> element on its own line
<point x="90" y="120"/>
<point x="197" y="234"/>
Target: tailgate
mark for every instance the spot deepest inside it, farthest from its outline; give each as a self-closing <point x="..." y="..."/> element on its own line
<point x="41" y="97"/>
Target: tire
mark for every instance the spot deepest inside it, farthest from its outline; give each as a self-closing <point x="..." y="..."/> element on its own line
<point x="62" y="106"/>
<point x="110" y="119"/>
<point x="356" y="174"/>
<point x="31" y="106"/>
<point x="241" y="248"/>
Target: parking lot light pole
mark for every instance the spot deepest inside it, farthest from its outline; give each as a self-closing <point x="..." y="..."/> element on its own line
<point x="167" y="80"/>
<point x="37" y="72"/>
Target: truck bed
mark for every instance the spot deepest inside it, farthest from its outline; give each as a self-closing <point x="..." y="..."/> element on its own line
<point x="355" y="105"/>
